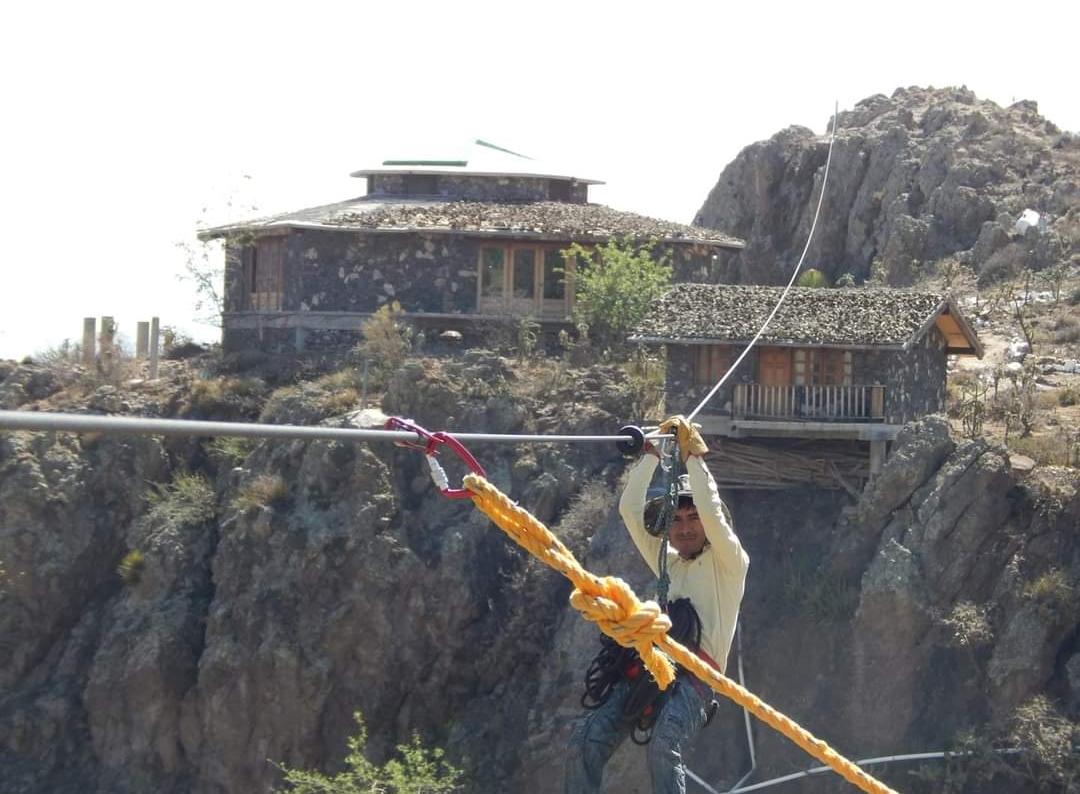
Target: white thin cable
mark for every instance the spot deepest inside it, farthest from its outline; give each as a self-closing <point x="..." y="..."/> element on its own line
<point x="791" y="281"/>
<point x="885" y="759"/>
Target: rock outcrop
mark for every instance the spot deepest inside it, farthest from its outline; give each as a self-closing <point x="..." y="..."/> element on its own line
<point x="915" y="177"/>
<point x="305" y="581"/>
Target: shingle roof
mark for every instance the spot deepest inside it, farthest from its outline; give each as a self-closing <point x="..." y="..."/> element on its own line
<point x="700" y="313"/>
<point x="549" y="220"/>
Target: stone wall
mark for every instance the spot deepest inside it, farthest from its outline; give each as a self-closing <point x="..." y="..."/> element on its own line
<point x="329" y="271"/>
<point x="683" y="395"/>
<point x="914" y="379"/>
<point x="481" y="188"/>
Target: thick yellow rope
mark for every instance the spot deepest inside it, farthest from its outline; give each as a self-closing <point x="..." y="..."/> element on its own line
<point x="611" y="604"/>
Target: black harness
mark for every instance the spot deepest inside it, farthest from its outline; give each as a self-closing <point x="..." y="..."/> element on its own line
<point x="615" y="663"/>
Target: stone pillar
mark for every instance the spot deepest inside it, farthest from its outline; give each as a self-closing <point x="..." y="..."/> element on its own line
<point x="89" y="340"/>
<point x="142" y="340"/>
<point x="154" y="334"/>
<point x="106" y="343"/>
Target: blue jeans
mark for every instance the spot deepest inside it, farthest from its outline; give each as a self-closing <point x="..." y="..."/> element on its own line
<point x="595" y="738"/>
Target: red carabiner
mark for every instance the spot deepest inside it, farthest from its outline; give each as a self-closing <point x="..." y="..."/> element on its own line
<point x="430" y="449"/>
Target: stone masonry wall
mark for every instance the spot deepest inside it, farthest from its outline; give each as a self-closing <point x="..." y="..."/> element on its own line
<point x="683" y="395"/>
<point x="349" y="271"/>
<point x="914" y="379"/>
<point x="480" y="188"/>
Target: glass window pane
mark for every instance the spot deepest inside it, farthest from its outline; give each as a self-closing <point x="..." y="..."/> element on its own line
<point x="554" y="278"/>
<point x="491" y="272"/>
<point x="524" y="273"/>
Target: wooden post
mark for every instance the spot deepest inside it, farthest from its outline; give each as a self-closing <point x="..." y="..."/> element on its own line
<point x="89" y="340"/>
<point x="154" y="334"/>
<point x="877" y="456"/>
<point x="142" y="339"/>
<point x="877" y="402"/>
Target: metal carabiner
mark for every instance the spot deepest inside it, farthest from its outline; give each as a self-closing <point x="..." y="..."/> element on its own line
<point x="430" y="448"/>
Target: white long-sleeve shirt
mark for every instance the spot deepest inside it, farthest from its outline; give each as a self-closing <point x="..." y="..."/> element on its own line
<point x="714" y="580"/>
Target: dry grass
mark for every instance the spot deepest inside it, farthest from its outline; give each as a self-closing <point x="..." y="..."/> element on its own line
<point x="266" y="490"/>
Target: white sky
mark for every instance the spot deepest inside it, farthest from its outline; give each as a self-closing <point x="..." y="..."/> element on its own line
<point x="126" y="124"/>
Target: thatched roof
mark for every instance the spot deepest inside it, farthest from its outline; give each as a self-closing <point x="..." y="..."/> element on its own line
<point x="542" y="220"/>
<point x="724" y="313"/>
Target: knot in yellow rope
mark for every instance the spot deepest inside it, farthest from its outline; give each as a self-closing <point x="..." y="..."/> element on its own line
<point x="631" y="623"/>
<point x="611" y="604"/>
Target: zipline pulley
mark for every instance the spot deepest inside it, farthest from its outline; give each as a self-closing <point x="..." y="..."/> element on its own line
<point x="635" y="443"/>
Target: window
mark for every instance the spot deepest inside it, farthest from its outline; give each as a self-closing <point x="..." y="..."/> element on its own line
<point x="554" y="281"/>
<point x="710" y="363"/>
<point x="421" y="185"/>
<point x="822" y="367"/>
<point x="524" y="276"/>
<point x="263" y="264"/>
<point x="523" y="279"/>
<point x="492" y="267"/>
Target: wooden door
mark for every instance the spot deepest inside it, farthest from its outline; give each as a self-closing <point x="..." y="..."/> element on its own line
<point x="774" y="366"/>
<point x="776" y="394"/>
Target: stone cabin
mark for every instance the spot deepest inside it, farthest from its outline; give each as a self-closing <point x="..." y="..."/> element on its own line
<point x="457" y="243"/>
<point x="834" y="364"/>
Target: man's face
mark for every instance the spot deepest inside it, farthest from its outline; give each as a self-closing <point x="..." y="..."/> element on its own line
<point x="687" y="536"/>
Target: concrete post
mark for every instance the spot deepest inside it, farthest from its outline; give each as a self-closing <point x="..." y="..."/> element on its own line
<point x="142" y="340"/>
<point x="154" y="334"/>
<point x="89" y="340"/>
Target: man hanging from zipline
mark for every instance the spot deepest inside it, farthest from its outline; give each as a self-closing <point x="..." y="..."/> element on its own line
<point x="706" y="567"/>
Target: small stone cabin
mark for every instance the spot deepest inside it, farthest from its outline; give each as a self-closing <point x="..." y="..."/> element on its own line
<point x="455" y="242"/>
<point x="833" y="363"/>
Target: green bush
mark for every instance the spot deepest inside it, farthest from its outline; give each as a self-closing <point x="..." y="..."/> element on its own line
<point x="186" y="501"/>
<point x="614" y="284"/>
<point x="415" y="770"/>
<point x="812" y="278"/>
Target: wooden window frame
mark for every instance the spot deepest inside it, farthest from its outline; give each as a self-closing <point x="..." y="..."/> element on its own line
<point x="263" y="268"/>
<point x="710" y="363"/>
<point x="538" y="305"/>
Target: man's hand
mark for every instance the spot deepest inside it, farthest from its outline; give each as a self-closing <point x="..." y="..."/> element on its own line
<point x="687" y="434"/>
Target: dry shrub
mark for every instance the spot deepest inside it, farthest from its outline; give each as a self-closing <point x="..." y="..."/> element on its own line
<point x="587" y="512"/>
<point x="226" y="397"/>
<point x="131" y="567"/>
<point x="968" y="625"/>
<point x="1050" y="449"/>
<point x="1048" y="740"/>
<point x="265" y="490"/>
<point x="312" y="402"/>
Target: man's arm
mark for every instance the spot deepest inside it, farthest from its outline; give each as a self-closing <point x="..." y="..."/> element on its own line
<point x="710" y="507"/>
<point x="632" y="509"/>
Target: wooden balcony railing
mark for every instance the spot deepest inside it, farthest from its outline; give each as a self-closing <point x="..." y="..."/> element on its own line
<point x="810" y="403"/>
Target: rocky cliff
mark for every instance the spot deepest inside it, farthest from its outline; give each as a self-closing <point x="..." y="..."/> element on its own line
<point x="916" y="177"/>
<point x="276" y="590"/>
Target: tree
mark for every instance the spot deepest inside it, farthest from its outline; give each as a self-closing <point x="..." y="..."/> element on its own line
<point x="208" y="278"/>
<point x="614" y="284"/>
<point x="416" y="770"/>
